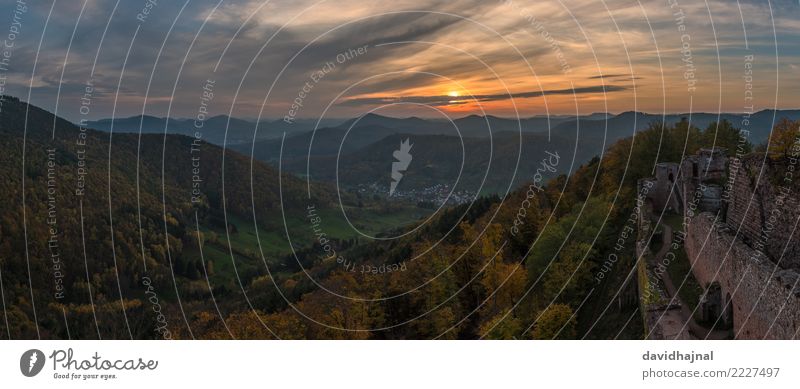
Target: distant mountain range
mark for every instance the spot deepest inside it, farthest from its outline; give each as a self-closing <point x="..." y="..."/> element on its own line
<point x="621" y="125"/>
<point x="364" y="145"/>
<point x="213" y="129"/>
<point x="625" y="124"/>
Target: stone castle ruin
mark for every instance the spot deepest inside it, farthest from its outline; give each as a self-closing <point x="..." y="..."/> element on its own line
<point x="739" y="236"/>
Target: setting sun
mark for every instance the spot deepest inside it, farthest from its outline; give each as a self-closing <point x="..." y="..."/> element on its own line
<point x="453" y="94"/>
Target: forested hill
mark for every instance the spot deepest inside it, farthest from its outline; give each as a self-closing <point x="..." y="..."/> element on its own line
<point x="87" y="215"/>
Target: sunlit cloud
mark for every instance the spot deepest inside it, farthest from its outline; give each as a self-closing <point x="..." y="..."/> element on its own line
<point x="453" y="98"/>
<point x="417" y="51"/>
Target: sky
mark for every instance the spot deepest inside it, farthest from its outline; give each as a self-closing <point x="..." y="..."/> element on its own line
<point x="289" y="59"/>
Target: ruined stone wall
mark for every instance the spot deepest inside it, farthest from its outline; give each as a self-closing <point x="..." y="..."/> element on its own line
<point x="665" y="190"/>
<point x="763" y="210"/>
<point x="765" y="298"/>
<point x="740" y="220"/>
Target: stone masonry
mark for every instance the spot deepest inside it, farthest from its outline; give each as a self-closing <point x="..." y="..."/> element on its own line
<point x="739" y="239"/>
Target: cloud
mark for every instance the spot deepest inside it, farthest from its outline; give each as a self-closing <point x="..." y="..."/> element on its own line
<point x="486" y="47"/>
<point x="604" y="76"/>
<point x="451" y="100"/>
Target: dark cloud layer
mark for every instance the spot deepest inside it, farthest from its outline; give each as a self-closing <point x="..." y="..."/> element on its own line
<point x="449" y="100"/>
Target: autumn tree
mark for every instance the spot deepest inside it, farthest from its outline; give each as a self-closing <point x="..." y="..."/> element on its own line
<point x="556" y="322"/>
<point x="784" y="139"/>
<point x="569" y="277"/>
<point x="503" y="326"/>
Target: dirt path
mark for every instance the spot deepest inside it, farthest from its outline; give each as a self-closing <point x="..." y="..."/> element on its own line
<point x="696" y="330"/>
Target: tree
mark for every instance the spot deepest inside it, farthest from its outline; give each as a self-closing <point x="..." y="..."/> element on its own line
<point x="556" y="322"/>
<point x="569" y="277"/>
<point x="783" y="139"/>
<point x="505" y="283"/>
<point x="576" y="227"/>
<point x="724" y="135"/>
<point x="502" y="326"/>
